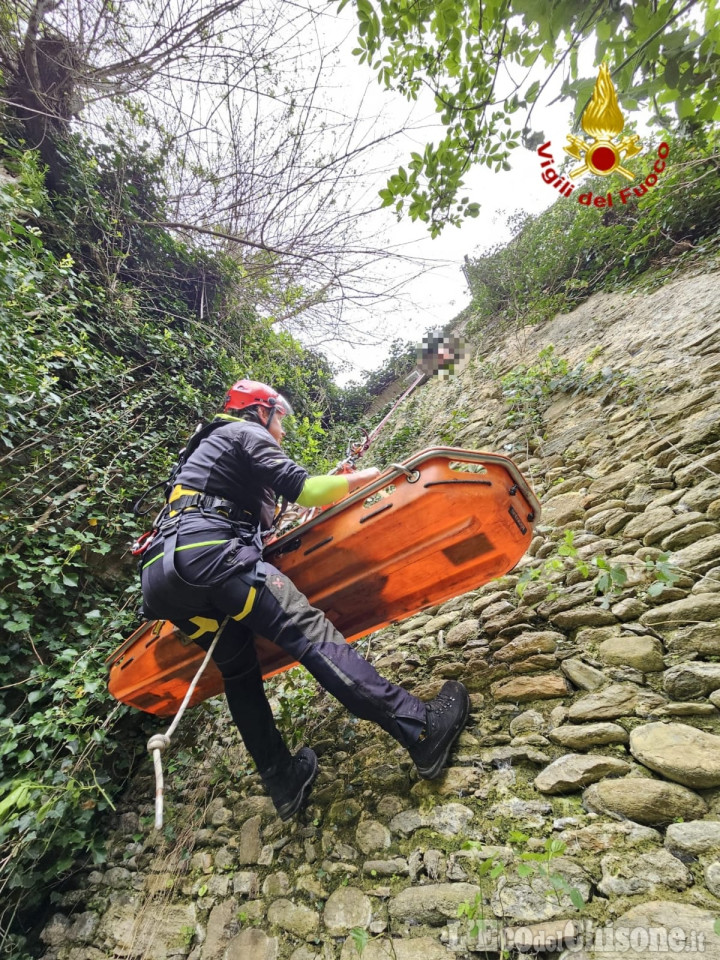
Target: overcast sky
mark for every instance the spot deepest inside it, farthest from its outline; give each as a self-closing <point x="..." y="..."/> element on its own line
<point x="436" y="295"/>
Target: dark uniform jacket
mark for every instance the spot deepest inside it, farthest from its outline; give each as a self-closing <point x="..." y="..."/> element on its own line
<point x="242" y="462"/>
<point x="239" y="461"/>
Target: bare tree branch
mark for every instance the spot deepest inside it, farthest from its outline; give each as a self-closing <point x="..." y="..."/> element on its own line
<point x="263" y="161"/>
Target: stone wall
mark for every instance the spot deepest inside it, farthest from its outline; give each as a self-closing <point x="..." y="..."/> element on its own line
<point x="581" y="812"/>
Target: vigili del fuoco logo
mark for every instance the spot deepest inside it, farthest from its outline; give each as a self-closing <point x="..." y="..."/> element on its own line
<point x="603" y="154"/>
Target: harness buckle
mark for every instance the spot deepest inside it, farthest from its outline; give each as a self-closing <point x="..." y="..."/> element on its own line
<point x="206" y="502"/>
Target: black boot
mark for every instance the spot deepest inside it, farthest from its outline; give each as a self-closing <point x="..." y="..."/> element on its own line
<point x="289" y="782"/>
<point x="446" y="716"/>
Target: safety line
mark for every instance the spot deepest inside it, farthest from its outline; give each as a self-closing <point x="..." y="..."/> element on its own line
<point x="161" y="741"/>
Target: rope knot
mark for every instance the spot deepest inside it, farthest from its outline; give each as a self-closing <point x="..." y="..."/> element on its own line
<point x="159" y="741"/>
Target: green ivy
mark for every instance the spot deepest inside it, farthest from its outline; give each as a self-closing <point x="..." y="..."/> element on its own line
<point x="106" y="367"/>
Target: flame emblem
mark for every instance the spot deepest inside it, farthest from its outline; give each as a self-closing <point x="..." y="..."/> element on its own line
<point x="603" y="121"/>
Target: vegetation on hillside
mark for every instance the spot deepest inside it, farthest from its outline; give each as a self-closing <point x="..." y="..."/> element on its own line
<point x="262" y="157"/>
<point x="559" y="258"/>
<point x="115" y="339"/>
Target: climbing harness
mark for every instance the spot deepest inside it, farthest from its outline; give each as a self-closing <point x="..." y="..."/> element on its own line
<point x="159" y="742"/>
<point x="198" y="435"/>
<point x="167" y="528"/>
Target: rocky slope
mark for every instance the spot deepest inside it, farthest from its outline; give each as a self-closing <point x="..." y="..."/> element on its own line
<point x="581" y="815"/>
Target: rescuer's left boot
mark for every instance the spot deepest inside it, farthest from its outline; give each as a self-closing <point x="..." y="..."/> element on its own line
<point x="289" y="782"/>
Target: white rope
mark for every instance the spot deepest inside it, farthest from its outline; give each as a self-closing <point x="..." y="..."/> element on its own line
<point x="160" y="741"/>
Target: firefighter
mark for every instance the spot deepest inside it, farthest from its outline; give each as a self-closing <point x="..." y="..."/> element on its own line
<point x="205" y="564"/>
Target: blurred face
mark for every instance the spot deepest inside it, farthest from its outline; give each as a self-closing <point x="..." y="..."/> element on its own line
<point x="275" y="427"/>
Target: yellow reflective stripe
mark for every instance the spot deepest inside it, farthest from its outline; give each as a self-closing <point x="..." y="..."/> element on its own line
<point x="205" y="543"/>
<point x="206" y="625"/>
<point x="248" y="605"/>
<point x="187" y="546"/>
<point x="180" y="491"/>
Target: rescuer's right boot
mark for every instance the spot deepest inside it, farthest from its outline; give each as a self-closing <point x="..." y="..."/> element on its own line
<point x="446" y="716"/>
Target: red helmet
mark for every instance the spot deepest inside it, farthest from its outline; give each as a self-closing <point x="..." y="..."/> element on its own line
<point x="251" y="393"/>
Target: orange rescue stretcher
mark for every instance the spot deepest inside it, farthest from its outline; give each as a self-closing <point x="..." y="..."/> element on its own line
<point x="440" y="524"/>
